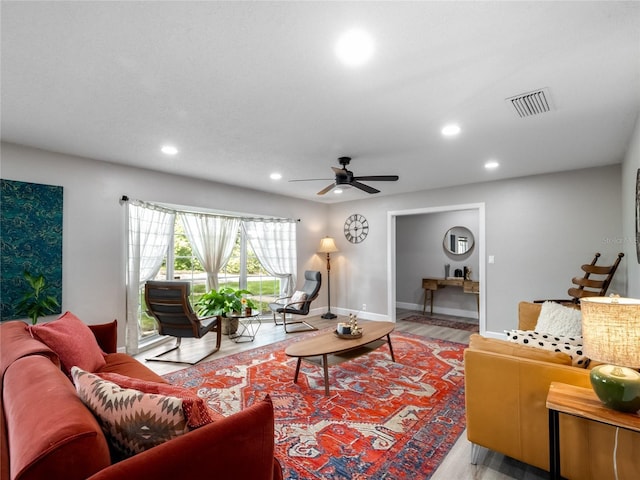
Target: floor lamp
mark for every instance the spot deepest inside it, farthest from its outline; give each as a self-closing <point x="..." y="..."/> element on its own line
<point x="328" y="246"/>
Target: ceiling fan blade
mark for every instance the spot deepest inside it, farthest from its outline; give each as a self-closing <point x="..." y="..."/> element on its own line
<point x="338" y="170"/>
<point x="326" y="189"/>
<point x="364" y="187"/>
<point x="312" y="180"/>
<point x="378" y="178"/>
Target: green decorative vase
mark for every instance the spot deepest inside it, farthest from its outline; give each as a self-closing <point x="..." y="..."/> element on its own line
<point x="617" y="387"/>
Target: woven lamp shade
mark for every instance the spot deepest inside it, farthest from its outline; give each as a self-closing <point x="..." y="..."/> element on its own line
<point x="611" y="330"/>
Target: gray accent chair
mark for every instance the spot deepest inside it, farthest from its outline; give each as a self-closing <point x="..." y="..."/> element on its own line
<point x="285" y="306"/>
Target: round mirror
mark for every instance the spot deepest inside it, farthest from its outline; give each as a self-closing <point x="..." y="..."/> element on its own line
<point x="458" y="240"/>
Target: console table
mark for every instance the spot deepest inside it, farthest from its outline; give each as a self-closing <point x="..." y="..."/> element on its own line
<point x="430" y="285"/>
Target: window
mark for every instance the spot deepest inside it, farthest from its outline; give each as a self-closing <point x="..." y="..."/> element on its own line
<point x="243" y="270"/>
<point x="206" y="249"/>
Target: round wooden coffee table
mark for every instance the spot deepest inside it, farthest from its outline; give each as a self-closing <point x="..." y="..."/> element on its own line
<point x="326" y="347"/>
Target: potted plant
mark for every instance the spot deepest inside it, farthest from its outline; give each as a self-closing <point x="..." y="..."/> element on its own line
<point x="248" y="305"/>
<point x="222" y="302"/>
<point x="36" y="302"/>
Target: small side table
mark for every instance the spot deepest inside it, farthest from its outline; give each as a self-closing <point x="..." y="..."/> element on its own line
<point x="583" y="403"/>
<point x="248" y="326"/>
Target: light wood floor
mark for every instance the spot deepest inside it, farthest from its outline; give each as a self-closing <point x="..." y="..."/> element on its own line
<point x="456" y="466"/>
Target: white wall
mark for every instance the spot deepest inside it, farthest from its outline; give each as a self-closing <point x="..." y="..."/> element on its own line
<point x="420" y="253"/>
<point x="93" y="220"/>
<point x="540" y="229"/>
<point x="628" y="240"/>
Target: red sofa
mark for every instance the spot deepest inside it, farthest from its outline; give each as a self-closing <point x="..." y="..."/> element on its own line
<point x="47" y="432"/>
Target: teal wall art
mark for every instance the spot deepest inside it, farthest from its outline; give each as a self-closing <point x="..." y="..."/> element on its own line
<point x="30" y="239"/>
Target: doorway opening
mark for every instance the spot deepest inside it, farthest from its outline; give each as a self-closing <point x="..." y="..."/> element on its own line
<point x="392" y="242"/>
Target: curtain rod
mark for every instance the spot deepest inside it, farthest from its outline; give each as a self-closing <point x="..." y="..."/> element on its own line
<point x="125" y="198"/>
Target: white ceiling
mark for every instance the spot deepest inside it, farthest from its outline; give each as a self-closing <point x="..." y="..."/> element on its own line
<point x="247" y="88"/>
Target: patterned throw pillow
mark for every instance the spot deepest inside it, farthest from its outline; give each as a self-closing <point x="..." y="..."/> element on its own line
<point x="72" y="340"/>
<point x="572" y="346"/>
<point x="195" y="410"/>
<point x="131" y="420"/>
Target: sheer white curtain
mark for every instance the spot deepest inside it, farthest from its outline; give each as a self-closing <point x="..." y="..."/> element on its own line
<point x="274" y="243"/>
<point x="149" y="232"/>
<point x="212" y="239"/>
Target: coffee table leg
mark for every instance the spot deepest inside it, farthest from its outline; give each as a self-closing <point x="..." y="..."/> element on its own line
<point x="326" y="374"/>
<point x="390" y="347"/>
<point x="295" y="377"/>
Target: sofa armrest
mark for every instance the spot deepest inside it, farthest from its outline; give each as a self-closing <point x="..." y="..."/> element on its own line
<point x="16" y="342"/>
<point x="107" y="336"/>
<point x="238" y="446"/>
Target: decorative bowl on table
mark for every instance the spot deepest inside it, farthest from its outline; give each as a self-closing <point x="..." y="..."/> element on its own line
<point x="347" y="336"/>
<point x="347" y="331"/>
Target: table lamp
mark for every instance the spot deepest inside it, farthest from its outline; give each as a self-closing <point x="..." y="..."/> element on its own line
<point x="611" y="334"/>
<point x="328" y="246"/>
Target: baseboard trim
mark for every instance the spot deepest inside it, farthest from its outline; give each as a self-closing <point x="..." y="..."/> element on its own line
<point x="443" y="311"/>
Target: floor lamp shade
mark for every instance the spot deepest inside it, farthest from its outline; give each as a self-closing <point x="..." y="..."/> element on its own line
<point x="328" y="246"/>
<point x="611" y="334"/>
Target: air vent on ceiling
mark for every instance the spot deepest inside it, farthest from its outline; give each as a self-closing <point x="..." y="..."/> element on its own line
<point x="531" y="103"/>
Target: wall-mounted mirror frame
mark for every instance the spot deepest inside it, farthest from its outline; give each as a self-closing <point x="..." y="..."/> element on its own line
<point x="458" y="240"/>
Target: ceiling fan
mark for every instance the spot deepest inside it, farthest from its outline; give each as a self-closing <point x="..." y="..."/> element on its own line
<point x="346" y="177"/>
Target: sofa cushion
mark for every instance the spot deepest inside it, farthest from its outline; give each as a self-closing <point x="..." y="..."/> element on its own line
<point x="106" y="335"/>
<point x="195" y="410"/>
<point x="571" y="346"/>
<point x="72" y="340"/>
<point x="50" y="432"/>
<point x="132" y="421"/>
<point x="478" y="342"/>
<point x="559" y="320"/>
<point x="528" y="313"/>
<point x="127" y="365"/>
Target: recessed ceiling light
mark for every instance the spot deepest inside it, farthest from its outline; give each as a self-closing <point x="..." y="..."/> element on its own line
<point x="354" y="48"/>
<point x="169" y="150"/>
<point x="450" y="130"/>
<point x="275" y="176"/>
<point x="491" y="165"/>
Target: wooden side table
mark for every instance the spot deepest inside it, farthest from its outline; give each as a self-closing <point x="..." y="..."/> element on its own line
<point x="583" y="403"/>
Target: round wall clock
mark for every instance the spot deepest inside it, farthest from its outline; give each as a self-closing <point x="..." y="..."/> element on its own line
<point x="356" y="228"/>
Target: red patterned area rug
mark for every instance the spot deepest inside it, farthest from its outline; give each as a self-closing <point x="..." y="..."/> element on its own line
<point x="440" y="321"/>
<point x="382" y="420"/>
